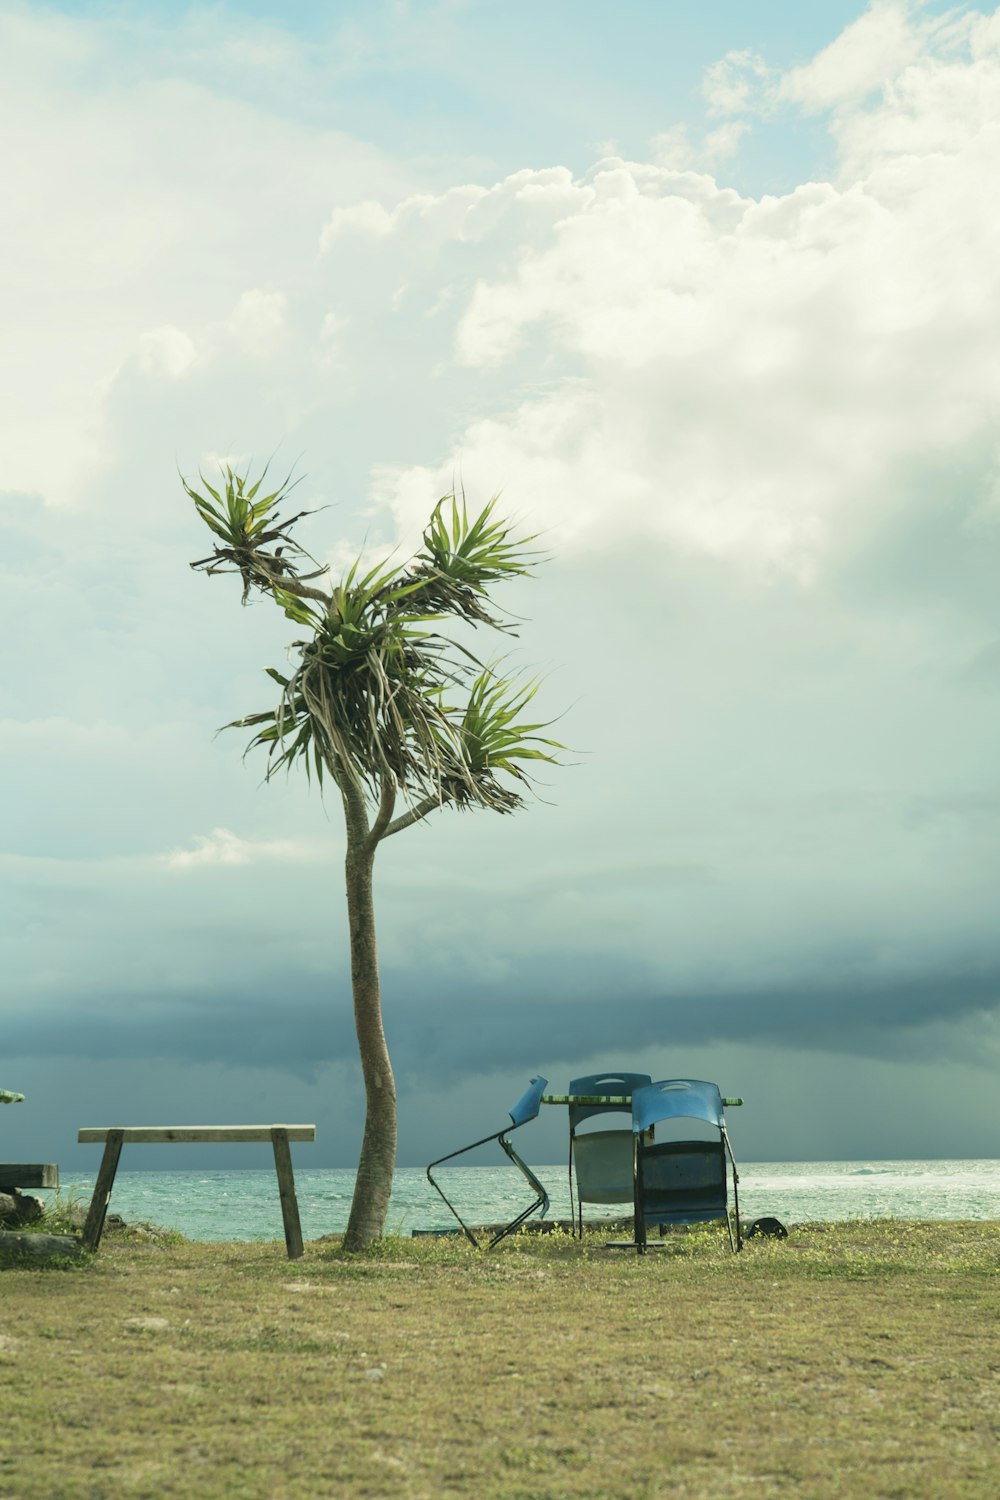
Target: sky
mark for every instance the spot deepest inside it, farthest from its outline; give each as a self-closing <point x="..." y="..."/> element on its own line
<point x="709" y="296"/>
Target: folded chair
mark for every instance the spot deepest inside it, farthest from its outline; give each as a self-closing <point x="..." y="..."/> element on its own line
<point x="681" y="1181"/>
<point x="525" y="1109"/>
<point x="601" y="1160"/>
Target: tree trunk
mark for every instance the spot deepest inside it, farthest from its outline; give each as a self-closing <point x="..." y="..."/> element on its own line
<point x="373" y="1185"/>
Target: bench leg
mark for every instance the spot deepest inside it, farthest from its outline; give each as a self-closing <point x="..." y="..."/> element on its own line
<point x="94" y="1227"/>
<point x="286" y="1188"/>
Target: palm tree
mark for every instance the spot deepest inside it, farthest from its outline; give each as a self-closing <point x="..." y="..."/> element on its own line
<point x="386" y="705"/>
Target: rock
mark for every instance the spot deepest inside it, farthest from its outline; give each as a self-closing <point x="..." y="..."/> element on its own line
<point x="20" y="1208"/>
<point x="16" y="1247"/>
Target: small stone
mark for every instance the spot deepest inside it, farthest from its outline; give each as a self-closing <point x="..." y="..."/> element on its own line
<point x="390" y="1460"/>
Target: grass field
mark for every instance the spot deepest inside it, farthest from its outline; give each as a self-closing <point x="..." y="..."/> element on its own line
<point x="848" y="1360"/>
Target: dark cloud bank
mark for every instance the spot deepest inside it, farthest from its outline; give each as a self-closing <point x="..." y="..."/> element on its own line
<point x="435" y="1029"/>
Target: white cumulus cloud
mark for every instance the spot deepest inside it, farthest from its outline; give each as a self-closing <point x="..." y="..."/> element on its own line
<point x="223" y="847"/>
<point x="867" y="56"/>
<point x="259" y="322"/>
<point x="734" y="83"/>
<point x="750" y="379"/>
<point x="138" y="206"/>
<point x="166" y="351"/>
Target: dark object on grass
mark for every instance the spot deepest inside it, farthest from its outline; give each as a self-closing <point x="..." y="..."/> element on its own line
<point x="766" y="1228"/>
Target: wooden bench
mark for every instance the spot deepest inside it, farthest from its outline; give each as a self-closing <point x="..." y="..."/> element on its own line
<point x="114" y="1137"/>
<point x="20" y="1174"/>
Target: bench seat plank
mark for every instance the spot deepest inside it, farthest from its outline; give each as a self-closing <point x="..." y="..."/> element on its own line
<point x="43" y="1174"/>
<point x="155" y="1133"/>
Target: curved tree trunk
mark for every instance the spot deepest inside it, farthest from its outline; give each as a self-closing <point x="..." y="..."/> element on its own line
<point x="378" y="1149"/>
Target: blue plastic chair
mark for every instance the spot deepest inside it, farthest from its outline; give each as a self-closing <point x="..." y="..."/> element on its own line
<point x="525" y="1109"/>
<point x="600" y="1160"/>
<point x="681" y="1181"/>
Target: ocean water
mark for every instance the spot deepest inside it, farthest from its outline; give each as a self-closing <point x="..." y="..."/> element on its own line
<point x="243" y="1205"/>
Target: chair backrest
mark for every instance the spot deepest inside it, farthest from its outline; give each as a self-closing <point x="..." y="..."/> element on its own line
<point x="603" y="1163"/>
<point x="681" y="1182"/>
<point x="530" y="1102"/>
<point x="677" y="1098"/>
<point x="603" y="1083"/>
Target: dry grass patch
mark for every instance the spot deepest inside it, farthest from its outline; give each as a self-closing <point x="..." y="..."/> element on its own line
<point x="849" y="1360"/>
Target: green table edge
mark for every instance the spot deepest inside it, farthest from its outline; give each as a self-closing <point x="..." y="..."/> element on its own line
<point x="610" y="1099"/>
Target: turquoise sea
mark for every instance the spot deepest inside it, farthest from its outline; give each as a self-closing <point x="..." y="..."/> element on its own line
<point x="243" y="1205"/>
